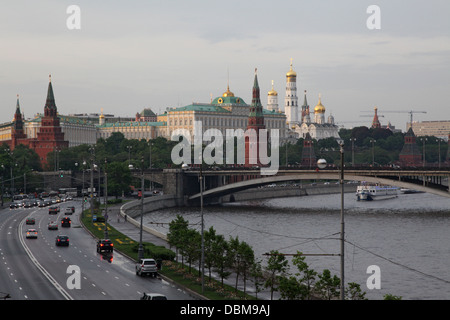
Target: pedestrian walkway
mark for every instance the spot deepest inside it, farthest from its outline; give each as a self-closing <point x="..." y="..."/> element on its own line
<point x="127" y="228"/>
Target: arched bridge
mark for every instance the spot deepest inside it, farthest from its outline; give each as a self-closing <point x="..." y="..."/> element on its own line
<point x="217" y="183"/>
<point x="427" y="181"/>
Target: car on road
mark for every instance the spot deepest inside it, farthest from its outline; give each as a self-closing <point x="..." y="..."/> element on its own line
<point x="28" y="204"/>
<point x="13" y="205"/>
<point x="30" y="221"/>
<point x="31" y="234"/>
<point x="146" y="266"/>
<point x="52" y="226"/>
<point x="153" y="296"/>
<point x="62" y="240"/>
<point x="53" y="210"/>
<point x="69" y="210"/>
<point x="105" y="245"/>
<point x="66" y="222"/>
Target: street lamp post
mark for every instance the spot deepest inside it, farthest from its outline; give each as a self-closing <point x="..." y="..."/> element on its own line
<point x="423" y="141"/>
<point x="203" y="226"/>
<point x="321" y="163"/>
<point x="106" y="201"/>
<point x="342" y="221"/>
<point x="141" y="248"/>
<point x="92" y="182"/>
<point x="373" y="152"/>
<point x="353" y="151"/>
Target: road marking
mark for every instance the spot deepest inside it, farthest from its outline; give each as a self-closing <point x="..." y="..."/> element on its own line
<point x="58" y="287"/>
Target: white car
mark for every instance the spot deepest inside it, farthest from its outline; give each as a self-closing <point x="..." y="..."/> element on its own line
<point x="31" y="234"/>
<point x="153" y="296"/>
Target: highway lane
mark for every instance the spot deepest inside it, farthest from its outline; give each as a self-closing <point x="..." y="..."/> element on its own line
<point x="109" y="277"/>
<point x="19" y="278"/>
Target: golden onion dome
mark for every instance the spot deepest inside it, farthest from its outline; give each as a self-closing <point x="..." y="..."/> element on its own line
<point x="291" y="72"/>
<point x="228" y="93"/>
<point x="319" y="108"/>
<point x="272" y="92"/>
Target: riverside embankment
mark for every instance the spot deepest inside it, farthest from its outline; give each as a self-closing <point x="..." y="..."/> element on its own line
<point x="133" y="209"/>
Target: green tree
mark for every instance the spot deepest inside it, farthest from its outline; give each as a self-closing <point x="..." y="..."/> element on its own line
<point x="119" y="179"/>
<point x="353" y="292"/>
<point x="256" y="273"/>
<point x="328" y="286"/>
<point x="277" y="265"/>
<point x="177" y="232"/>
<point x="290" y="288"/>
<point x="391" y="297"/>
<point x="306" y="276"/>
<point x="191" y="247"/>
<point x="220" y="250"/>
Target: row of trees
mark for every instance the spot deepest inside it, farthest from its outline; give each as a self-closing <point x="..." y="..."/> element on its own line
<point x="364" y="144"/>
<point x="235" y="257"/>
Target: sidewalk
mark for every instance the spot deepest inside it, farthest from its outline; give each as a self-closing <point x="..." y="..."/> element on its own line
<point x="118" y="222"/>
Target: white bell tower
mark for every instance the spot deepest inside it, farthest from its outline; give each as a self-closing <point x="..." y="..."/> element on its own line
<point x="291" y="99"/>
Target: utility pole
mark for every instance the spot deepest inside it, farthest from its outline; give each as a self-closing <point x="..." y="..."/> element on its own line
<point x="342" y="221"/>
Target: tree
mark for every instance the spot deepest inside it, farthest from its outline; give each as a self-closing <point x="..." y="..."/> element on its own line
<point x="220" y="250"/>
<point x="234" y="256"/>
<point x="191" y="247"/>
<point x="119" y="179"/>
<point x="177" y="231"/>
<point x="328" y="286"/>
<point x="307" y="275"/>
<point x="256" y="273"/>
<point x="291" y="288"/>
<point x="391" y="297"/>
<point x="353" y="292"/>
<point x="247" y="258"/>
<point x="276" y="265"/>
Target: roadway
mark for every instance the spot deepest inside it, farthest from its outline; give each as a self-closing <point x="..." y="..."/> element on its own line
<point x="36" y="269"/>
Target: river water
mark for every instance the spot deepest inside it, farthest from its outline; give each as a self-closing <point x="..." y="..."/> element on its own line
<point x="408" y="237"/>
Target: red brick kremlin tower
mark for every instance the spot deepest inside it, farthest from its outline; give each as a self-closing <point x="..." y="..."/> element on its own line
<point x="255" y="122"/>
<point x="17" y="132"/>
<point x="49" y="137"/>
<point x="410" y="154"/>
<point x="375" y="121"/>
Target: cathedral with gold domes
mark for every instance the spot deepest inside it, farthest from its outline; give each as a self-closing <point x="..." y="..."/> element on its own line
<point x="302" y="122"/>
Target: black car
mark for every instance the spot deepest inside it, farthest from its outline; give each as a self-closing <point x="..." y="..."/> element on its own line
<point x="105" y="245"/>
<point x="65" y="222"/>
<point x="13" y="205"/>
<point x="30" y="221"/>
<point x="53" y="210"/>
<point x="62" y="240"/>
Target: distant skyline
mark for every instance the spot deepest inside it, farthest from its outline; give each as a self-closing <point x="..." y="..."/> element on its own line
<point x="139" y="54"/>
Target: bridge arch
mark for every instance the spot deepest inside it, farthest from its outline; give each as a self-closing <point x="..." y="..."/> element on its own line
<point x="247" y="184"/>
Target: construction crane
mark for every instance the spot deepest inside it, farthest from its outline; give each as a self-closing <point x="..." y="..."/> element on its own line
<point x="411" y="112"/>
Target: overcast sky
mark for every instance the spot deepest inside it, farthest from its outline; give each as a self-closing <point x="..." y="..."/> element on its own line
<point x="130" y="55"/>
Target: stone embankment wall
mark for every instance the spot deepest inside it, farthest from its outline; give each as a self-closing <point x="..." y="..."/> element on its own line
<point x="279" y="192"/>
<point x="132" y="209"/>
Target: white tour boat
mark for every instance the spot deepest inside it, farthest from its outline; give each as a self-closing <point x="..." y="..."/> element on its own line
<point x="369" y="192"/>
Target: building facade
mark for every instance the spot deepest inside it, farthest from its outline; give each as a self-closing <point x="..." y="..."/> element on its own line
<point x="439" y="128"/>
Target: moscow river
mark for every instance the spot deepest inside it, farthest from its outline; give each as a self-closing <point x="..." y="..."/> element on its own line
<point x="407" y="237"/>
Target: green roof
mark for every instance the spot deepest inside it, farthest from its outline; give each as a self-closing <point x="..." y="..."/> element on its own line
<point x="201" y="108"/>
<point x="134" y="124"/>
<point x="147" y="113"/>
<point x="228" y="101"/>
